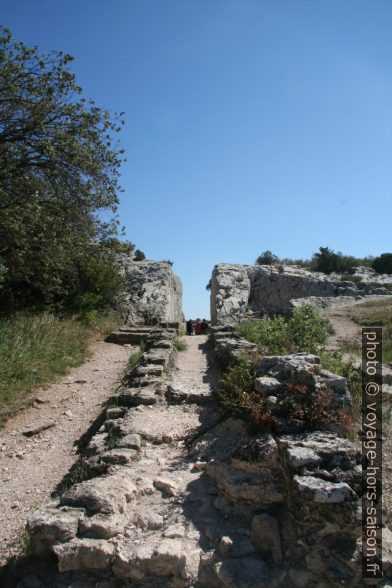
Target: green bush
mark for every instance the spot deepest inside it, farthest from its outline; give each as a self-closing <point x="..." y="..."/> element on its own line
<point x="139" y="255"/>
<point x="383" y="263"/>
<point x="237" y="383"/>
<point x="267" y="258"/>
<point x="306" y="330"/>
<point x="327" y="261"/>
<point x="334" y="362"/>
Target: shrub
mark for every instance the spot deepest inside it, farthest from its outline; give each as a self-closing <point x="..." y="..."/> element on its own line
<point x="237" y="382"/>
<point x="270" y="334"/>
<point x="306" y="330"/>
<point x="267" y="258"/>
<point x="351" y="278"/>
<point x="383" y="263"/>
<point x="139" y="255"/>
<point x="327" y="261"/>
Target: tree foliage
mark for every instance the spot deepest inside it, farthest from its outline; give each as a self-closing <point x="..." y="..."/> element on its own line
<point x="383" y="263"/>
<point x="327" y="261"/>
<point x="267" y="258"/>
<point x="138" y="255"/>
<point x="59" y="179"/>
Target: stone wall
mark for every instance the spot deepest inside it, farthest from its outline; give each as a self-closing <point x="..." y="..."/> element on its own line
<point x="153" y="294"/>
<point x="298" y="487"/>
<point x="238" y="291"/>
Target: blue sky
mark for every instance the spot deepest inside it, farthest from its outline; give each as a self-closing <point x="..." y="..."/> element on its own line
<point x="250" y="124"/>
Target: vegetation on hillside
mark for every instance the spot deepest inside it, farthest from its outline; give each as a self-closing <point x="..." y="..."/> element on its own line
<point x="328" y="261"/>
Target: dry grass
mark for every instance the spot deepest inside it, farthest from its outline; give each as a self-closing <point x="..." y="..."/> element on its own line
<point x="34" y="349"/>
<point x="376" y="313"/>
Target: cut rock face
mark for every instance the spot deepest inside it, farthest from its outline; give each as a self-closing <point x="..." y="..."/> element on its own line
<point x="241" y="291"/>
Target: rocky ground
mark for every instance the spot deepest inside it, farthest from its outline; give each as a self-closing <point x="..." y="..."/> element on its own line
<point x="153" y="514"/>
<point x="32" y="466"/>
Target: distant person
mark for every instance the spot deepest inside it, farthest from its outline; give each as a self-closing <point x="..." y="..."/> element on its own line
<point x="204" y="326"/>
<point x="198" y="327"/>
<point x="189" y="327"/>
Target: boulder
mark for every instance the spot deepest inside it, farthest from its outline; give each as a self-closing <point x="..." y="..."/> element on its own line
<point x="84" y="554"/>
<point x="106" y="494"/>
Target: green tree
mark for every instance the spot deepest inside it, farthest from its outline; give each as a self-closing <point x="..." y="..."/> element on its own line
<point x="139" y="255"/>
<point x="383" y="263"/>
<point x="59" y="172"/>
<point x="267" y="258"/>
<point x="327" y="261"/>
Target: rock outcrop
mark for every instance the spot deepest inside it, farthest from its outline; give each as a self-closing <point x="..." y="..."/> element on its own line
<point x="153" y="293"/>
<point x="238" y="291"/>
<point x="297" y="486"/>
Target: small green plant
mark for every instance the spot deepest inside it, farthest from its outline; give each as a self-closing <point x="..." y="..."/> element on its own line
<point x="180" y="345"/>
<point x="77" y="474"/>
<point x="237" y="382"/>
<point x="135" y="357"/>
<point x="333" y="361"/>
<point x="112" y="438"/>
<point x="351" y="278"/>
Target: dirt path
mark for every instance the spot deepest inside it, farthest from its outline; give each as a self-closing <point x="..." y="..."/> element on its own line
<point x="31" y="467"/>
<point x="343" y="326"/>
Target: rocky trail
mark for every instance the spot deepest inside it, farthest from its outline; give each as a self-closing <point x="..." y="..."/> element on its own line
<point x="175" y="493"/>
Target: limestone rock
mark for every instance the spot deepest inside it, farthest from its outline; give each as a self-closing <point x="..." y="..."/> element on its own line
<point x="131" y="441"/>
<point x="267" y="386"/>
<point x="248" y="572"/>
<point x="255" y="487"/>
<point x="50" y="525"/>
<point x="84" y="554"/>
<point x="166" y="485"/>
<point x="266" y="536"/>
<point x="168" y="559"/>
<point x="153" y="293"/>
<point x="106" y="494"/>
<point x="101" y="526"/>
<point x="322" y="491"/>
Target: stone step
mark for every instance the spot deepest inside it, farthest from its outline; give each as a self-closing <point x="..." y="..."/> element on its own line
<point x="127" y="337"/>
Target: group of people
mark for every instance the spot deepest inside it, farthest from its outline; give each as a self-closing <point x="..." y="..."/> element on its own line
<point x="199" y="328"/>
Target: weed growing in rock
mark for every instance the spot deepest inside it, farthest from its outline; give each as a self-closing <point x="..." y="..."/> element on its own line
<point x="236" y="385"/>
<point x="112" y="438"/>
<point x="135" y="357"/>
<point x="180" y="345"/>
<point x="78" y="473"/>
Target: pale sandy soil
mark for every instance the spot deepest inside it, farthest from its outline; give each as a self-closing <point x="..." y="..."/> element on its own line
<point x="347" y="329"/>
<point x="30" y="468"/>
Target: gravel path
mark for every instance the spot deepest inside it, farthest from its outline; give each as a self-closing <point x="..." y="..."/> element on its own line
<point x="31" y="467"/>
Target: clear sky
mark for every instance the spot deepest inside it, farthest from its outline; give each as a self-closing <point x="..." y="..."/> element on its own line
<point x="250" y="124"/>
